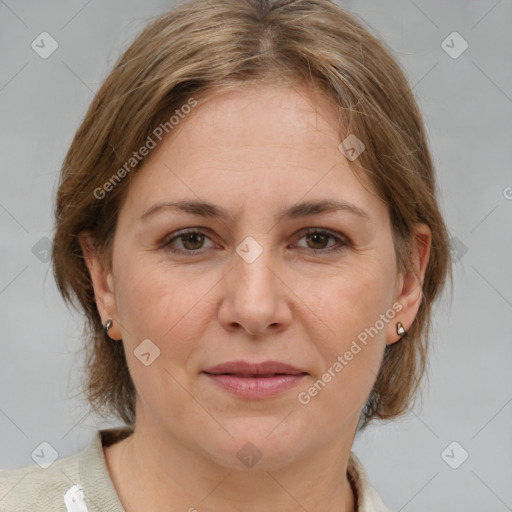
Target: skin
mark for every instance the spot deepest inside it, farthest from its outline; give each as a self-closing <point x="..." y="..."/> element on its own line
<point x="253" y="151"/>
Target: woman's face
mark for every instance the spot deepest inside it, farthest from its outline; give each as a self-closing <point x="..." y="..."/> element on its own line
<point x="303" y="288"/>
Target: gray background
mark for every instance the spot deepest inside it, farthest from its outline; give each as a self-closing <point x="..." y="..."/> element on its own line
<point x="467" y="104"/>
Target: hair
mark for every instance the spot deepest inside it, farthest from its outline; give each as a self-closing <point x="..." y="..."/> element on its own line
<point x="203" y="46"/>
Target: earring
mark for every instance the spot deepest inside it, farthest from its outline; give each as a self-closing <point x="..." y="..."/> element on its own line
<point x="107" y="326"/>
<point x="400" y="330"/>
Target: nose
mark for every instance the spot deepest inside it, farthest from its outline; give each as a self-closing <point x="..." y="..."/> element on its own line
<point x="256" y="298"/>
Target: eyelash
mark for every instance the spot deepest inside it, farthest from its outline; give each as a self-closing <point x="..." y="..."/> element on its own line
<point x="342" y="242"/>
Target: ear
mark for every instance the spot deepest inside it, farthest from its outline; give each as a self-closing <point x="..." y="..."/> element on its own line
<point x="103" y="284"/>
<point x="409" y="285"/>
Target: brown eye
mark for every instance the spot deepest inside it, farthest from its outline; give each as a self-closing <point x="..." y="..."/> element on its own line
<point x="318" y="240"/>
<point x="192" y="241"/>
<point x="188" y="242"/>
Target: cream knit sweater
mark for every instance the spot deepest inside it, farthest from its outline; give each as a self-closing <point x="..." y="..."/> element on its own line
<point x="81" y="483"/>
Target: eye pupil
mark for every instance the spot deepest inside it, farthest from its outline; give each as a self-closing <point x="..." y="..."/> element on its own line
<point x="318" y="239"/>
<point x="194" y="238"/>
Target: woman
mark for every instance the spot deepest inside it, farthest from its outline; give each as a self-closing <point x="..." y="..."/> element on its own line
<point x="247" y="217"/>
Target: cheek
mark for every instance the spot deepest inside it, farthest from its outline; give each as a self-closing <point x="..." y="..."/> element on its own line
<point x="351" y="357"/>
<point x="163" y="303"/>
<point x="356" y="306"/>
<point x="354" y="298"/>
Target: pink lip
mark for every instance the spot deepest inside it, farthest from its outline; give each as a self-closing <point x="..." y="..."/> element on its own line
<point x="255" y="380"/>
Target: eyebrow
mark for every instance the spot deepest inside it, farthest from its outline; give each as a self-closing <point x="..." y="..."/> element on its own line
<point x="299" y="210"/>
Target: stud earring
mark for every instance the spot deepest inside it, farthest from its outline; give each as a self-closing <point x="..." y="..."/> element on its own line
<point x="107" y="326"/>
<point x="400" y="330"/>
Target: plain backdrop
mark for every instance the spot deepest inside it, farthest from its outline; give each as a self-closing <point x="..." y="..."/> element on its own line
<point x="466" y="99"/>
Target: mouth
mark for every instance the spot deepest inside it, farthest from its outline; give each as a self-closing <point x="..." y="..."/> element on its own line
<point x="255" y="380"/>
<point x="263" y="369"/>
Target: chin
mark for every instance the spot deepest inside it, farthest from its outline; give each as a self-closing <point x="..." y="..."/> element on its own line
<point x="257" y="444"/>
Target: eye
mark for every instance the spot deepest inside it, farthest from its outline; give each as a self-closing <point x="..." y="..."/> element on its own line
<point x="318" y="240"/>
<point x="191" y="240"/>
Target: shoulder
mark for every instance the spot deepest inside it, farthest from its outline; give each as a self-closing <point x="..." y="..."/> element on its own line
<point x="69" y="484"/>
<point x="38" y="489"/>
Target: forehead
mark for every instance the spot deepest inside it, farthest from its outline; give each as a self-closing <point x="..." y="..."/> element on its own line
<point x="258" y="120"/>
<point x="264" y="144"/>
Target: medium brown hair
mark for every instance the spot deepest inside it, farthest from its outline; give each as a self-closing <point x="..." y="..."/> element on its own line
<point x="206" y="45"/>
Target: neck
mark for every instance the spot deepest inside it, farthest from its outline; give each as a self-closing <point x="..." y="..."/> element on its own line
<point x="154" y="472"/>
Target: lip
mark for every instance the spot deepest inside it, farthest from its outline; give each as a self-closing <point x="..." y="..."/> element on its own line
<point x="247" y="369"/>
<point x="255" y="380"/>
